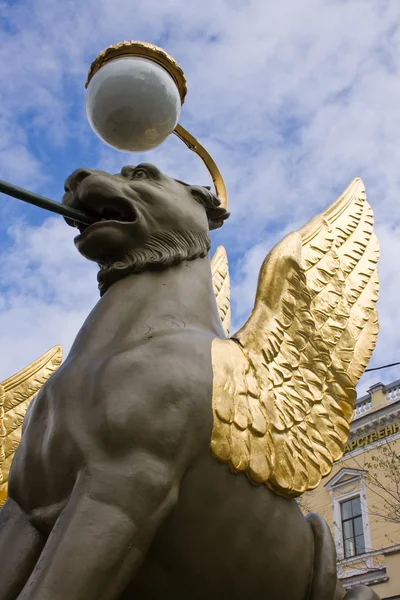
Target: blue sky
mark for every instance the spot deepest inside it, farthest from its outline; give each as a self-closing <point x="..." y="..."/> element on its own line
<point x="292" y="99"/>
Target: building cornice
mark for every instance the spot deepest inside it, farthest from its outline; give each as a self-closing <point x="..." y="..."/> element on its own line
<point x="382" y="416"/>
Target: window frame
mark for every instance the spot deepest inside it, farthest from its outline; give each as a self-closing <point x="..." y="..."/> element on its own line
<point x="357" y="480"/>
<point x="352" y="520"/>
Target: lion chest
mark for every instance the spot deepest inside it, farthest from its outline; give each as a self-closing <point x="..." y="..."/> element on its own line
<point x="155" y="396"/>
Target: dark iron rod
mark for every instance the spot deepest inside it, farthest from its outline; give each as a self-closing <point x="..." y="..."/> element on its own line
<point x="42" y="202"/>
<point x="383" y="367"/>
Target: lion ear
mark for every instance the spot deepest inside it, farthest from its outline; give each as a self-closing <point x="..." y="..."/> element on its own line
<point x="205" y="196"/>
<point x="215" y="213"/>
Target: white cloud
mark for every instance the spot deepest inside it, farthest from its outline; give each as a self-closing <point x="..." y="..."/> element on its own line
<point x="47" y="290"/>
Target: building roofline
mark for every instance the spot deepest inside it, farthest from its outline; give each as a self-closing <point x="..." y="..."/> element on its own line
<point x="389" y="386"/>
<point x="385" y="388"/>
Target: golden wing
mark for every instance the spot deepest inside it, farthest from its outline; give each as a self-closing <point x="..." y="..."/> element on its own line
<point x="284" y="384"/>
<point x="221" y="283"/>
<point x="16" y="393"/>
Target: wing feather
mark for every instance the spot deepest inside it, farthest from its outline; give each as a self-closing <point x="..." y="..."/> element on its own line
<point x="221" y="283"/>
<point x="16" y="393"/>
<point x="299" y="356"/>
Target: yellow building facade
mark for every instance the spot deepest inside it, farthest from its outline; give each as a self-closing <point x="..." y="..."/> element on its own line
<point x="360" y="498"/>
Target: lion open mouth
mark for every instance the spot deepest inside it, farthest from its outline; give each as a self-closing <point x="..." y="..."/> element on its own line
<point x="118" y="210"/>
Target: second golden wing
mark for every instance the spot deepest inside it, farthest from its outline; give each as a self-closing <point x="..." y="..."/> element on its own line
<point x="221" y="284"/>
<point x="16" y="393"/>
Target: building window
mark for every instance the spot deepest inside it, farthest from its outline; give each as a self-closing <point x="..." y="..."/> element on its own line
<point x="352" y="527"/>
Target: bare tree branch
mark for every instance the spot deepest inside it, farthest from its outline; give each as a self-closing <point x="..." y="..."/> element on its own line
<point x="382" y="477"/>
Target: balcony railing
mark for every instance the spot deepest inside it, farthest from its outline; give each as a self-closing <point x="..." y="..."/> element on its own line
<point x="393" y="393"/>
<point x="362" y="407"/>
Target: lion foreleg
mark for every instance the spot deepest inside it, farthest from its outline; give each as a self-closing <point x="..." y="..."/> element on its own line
<point x="20" y="547"/>
<point x="102" y="536"/>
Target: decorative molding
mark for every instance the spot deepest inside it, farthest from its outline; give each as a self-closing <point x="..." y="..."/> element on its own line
<point x="388" y="551"/>
<point x="365" y="578"/>
<point x="337" y="480"/>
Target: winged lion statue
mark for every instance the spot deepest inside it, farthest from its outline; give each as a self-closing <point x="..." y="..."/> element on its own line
<point x="163" y="458"/>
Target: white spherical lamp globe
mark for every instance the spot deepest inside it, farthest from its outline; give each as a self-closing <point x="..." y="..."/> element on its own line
<point x="134" y="96"/>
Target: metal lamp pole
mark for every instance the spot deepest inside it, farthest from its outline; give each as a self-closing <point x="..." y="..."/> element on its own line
<point x="46" y="203"/>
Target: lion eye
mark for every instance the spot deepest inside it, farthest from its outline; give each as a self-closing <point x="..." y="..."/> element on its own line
<point x="140" y="174"/>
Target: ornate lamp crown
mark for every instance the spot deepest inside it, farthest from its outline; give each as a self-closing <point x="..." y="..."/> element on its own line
<point x="142" y="50"/>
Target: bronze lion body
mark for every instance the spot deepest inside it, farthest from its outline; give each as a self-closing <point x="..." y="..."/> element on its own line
<point x="113" y="492"/>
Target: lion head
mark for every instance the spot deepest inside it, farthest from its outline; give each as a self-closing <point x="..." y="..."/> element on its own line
<point x="144" y="219"/>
